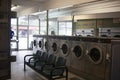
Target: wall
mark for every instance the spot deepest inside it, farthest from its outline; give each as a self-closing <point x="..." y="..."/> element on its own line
<point x="5" y="71"/>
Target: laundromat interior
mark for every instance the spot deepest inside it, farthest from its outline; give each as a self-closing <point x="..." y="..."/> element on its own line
<point x="59" y="39"/>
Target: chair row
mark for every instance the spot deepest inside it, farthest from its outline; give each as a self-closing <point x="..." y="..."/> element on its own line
<point x="46" y="64"/>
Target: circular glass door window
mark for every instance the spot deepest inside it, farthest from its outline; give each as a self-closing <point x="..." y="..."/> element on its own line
<point x="54" y="46"/>
<point x="40" y="44"/>
<point x="95" y="55"/>
<point x="77" y="51"/>
<point x="64" y="49"/>
<point x="35" y="43"/>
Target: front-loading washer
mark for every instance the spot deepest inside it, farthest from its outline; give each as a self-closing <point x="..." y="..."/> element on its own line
<point x="53" y="43"/>
<point x="78" y="54"/>
<point x="55" y="46"/>
<point x="65" y="49"/>
<point x="95" y="60"/>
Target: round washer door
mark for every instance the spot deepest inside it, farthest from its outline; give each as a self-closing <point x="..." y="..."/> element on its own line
<point x="78" y="51"/>
<point x="40" y="44"/>
<point x="95" y="55"/>
<point x="46" y="45"/>
<point x="35" y="43"/>
<point x="65" y="49"/>
<point x="55" y="47"/>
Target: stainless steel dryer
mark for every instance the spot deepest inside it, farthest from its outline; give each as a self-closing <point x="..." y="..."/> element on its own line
<point x="78" y="54"/>
<point x="65" y="49"/>
<point x="95" y="61"/>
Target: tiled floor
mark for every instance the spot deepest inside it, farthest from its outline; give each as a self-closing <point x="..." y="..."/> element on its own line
<point x="17" y="72"/>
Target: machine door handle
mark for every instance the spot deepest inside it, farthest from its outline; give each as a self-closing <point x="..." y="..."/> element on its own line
<point x="87" y="52"/>
<point x="108" y="57"/>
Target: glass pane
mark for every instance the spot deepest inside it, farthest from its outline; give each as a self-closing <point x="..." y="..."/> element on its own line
<point x="33" y="28"/>
<point x="65" y="28"/>
<point x="62" y="28"/>
<point x="43" y="23"/>
<point x="43" y="27"/>
<point x="14" y="29"/>
<point x="69" y="28"/>
<point x="23" y="30"/>
<point x="53" y="27"/>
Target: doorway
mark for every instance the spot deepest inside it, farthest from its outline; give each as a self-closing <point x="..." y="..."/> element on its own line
<point x="24" y="28"/>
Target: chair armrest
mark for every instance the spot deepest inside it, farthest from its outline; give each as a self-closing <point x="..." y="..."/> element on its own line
<point x="31" y="59"/>
<point x="27" y="56"/>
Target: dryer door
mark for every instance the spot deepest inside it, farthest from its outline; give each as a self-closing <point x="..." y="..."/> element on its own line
<point x="65" y="49"/>
<point x="55" y="47"/>
<point x="78" y="51"/>
<point x="41" y="44"/>
<point x="35" y="43"/>
<point x="95" y="55"/>
<point x="46" y="45"/>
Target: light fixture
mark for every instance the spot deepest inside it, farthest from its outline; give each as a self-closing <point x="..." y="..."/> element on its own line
<point x="13" y="7"/>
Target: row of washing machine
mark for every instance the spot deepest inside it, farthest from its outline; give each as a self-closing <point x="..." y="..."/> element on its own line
<point x="39" y="43"/>
<point x="87" y="57"/>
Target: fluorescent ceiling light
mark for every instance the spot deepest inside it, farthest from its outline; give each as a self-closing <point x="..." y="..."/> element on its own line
<point x="14" y="7"/>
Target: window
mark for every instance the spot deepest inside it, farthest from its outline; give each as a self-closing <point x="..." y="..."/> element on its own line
<point x="65" y="28"/>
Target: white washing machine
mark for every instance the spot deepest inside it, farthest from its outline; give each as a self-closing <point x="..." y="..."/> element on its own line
<point x="38" y="43"/>
<point x="109" y="32"/>
<point x="95" y="60"/>
<point x="85" y="32"/>
<point x="65" y="50"/>
<point x="78" y="56"/>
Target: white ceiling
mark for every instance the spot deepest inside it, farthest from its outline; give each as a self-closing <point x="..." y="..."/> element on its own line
<point x="27" y="7"/>
<point x="24" y="4"/>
